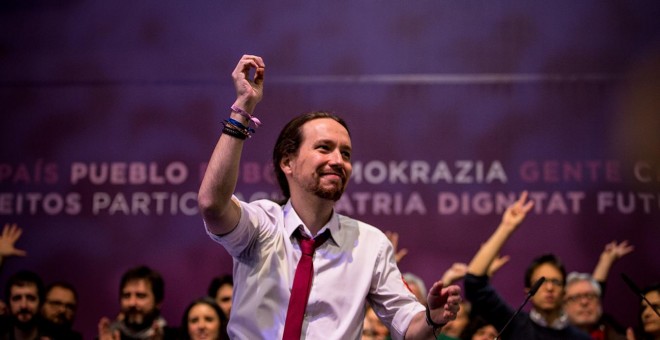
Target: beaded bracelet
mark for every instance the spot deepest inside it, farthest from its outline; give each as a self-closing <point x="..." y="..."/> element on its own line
<point x="245" y="114"/>
<point x="234" y="133"/>
<point x="247" y="132"/>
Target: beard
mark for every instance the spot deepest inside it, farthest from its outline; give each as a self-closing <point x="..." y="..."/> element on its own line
<point x="55" y="328"/>
<point x="25" y="320"/>
<point x="59" y="320"/>
<point x="333" y="194"/>
<point x="136" y="320"/>
<point x="329" y="193"/>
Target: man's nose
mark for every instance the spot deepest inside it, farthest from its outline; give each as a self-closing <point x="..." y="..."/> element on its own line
<point x="335" y="156"/>
<point x="22" y="302"/>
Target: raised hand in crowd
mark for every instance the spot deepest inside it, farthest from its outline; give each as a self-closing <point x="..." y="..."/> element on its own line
<point x="511" y="219"/>
<point x="10" y="234"/>
<point x="399" y="254"/>
<point x="613" y="251"/>
<point x="455" y="273"/>
<point x="497" y="263"/>
<point x="458" y="270"/>
<point x="106" y="332"/>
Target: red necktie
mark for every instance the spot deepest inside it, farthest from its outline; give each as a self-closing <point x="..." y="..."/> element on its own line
<point x="302" y="283"/>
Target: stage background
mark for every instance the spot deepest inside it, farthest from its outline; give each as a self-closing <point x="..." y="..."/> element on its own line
<point x="111" y="109"/>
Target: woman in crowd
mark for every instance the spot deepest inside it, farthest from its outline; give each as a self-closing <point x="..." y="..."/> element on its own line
<point x="649" y="319"/>
<point x="204" y="320"/>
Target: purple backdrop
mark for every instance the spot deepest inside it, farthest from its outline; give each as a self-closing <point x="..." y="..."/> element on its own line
<point x="111" y="109"/>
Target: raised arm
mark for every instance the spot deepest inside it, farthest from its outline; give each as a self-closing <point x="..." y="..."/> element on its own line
<point x="458" y="270"/>
<point x="512" y="217"/>
<point x="399" y="254"/>
<point x="219" y="211"/>
<point x="10" y="234"/>
<point x="612" y="252"/>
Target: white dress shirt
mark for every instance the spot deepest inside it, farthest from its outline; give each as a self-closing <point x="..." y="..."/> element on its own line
<point x="354" y="266"/>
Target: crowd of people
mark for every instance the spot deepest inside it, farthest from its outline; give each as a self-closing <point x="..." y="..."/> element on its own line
<point x="31" y="310"/>
<point x="302" y="271"/>
<point x="568" y="306"/>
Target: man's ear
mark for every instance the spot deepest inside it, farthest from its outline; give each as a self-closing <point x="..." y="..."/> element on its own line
<point x="285" y="164"/>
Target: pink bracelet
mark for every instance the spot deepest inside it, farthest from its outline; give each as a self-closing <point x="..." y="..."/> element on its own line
<point x="247" y="116"/>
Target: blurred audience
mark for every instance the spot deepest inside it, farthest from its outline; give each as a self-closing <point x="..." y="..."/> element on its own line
<point x="546" y="320"/>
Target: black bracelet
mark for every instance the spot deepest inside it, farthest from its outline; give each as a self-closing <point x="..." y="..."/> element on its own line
<point x="234" y="133"/>
<point x="430" y="322"/>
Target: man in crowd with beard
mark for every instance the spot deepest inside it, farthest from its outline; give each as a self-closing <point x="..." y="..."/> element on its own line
<point x="300" y="269"/>
<point x="141" y="293"/>
<point x="59" y="310"/>
<point x="24" y="295"/>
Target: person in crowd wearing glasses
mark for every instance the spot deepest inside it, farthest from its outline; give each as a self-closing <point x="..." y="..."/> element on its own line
<point x="301" y="270"/>
<point x="584" y="296"/>
<point x="546" y="320"/>
<point x="583" y="306"/>
<point x="59" y="311"/>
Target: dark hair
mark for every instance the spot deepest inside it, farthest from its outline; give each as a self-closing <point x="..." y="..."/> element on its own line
<point x="475" y="323"/>
<point x="290" y="139"/>
<point x="206" y="300"/>
<point x="62" y="284"/>
<point x="148" y="274"/>
<point x="218" y="282"/>
<point x="651" y="288"/>
<point x="23" y="278"/>
<point x="551" y="259"/>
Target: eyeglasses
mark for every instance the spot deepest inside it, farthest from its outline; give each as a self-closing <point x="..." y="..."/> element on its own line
<point x="553" y="282"/>
<point x="578" y="297"/>
<point x="60" y="304"/>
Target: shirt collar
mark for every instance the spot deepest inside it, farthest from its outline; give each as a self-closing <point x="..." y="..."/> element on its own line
<point x="292" y="221"/>
<point x="559" y="323"/>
